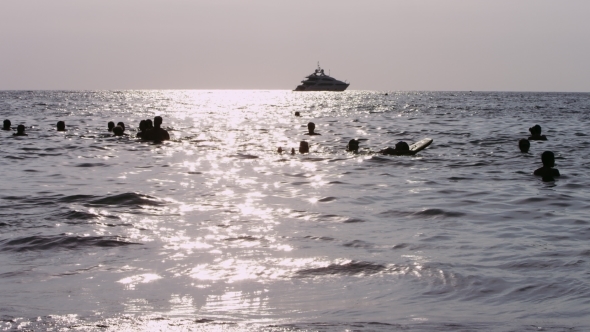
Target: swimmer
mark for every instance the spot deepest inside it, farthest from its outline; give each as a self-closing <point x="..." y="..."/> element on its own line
<point x="122" y="125"/>
<point x="280" y="150"/>
<point x="6" y="125"/>
<point x="311" y="129"/>
<point x="536" y="134"/>
<point x="547" y="171"/>
<point x="20" y="131"/>
<point x="303" y="147"/>
<point x="292" y="151"/>
<point x="148" y="124"/>
<point x="401" y="147"/>
<point x="61" y="126"/>
<point x="157" y="134"/>
<point x="353" y="145"/>
<point x="142" y="129"/>
<point x="118" y="131"/>
<point x="111" y="125"/>
<point x="297" y="114"/>
<point x="524" y="145"/>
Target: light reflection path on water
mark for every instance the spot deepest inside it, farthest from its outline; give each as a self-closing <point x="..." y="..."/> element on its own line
<point x="216" y="225"/>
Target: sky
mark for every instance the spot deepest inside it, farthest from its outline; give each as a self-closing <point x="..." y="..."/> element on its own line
<point x="384" y="45"/>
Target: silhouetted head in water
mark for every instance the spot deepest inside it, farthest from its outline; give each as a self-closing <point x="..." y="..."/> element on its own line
<point x="402" y="146"/>
<point x="142" y="129"/>
<point x="157" y="121"/>
<point x="548" y="159"/>
<point x="303" y="147"/>
<point x="547" y="171"/>
<point x="524" y="145"/>
<point x="6" y="125"/>
<point x="20" y="131"/>
<point x="297" y="114"/>
<point x="536" y="133"/>
<point x="292" y="150"/>
<point x="280" y="150"/>
<point x="353" y="145"/>
<point x="149" y="124"/>
<point x="118" y="131"/>
<point x="111" y="125"/>
<point x="122" y="125"/>
<point x="61" y="126"/>
<point x="311" y="129"/>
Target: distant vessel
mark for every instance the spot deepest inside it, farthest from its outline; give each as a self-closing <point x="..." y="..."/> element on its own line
<point x="318" y="81"/>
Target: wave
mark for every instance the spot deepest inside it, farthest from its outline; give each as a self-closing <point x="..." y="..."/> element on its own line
<point x="351" y="268"/>
<point x="38" y="242"/>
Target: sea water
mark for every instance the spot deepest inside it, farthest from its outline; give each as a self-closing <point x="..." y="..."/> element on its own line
<point x="215" y="230"/>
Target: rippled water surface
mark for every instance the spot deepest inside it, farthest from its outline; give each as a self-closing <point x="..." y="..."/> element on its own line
<point x="214" y="230"/>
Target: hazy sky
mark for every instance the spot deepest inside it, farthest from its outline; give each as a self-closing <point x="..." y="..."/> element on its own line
<point x="499" y="45"/>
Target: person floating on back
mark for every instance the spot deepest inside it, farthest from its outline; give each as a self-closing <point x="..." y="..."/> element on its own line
<point x="547" y="172"/>
<point x="524" y="145"/>
<point x="20" y="131"/>
<point x="157" y="134"/>
<point x="353" y="145"/>
<point x="6" y="125"/>
<point x="61" y="126"/>
<point x="311" y="129"/>
<point x="111" y="125"/>
<point x="400" y="148"/>
<point x="536" y="134"/>
<point x="303" y="147"/>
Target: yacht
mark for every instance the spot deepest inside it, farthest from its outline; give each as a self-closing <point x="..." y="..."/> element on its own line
<point x="319" y="81"/>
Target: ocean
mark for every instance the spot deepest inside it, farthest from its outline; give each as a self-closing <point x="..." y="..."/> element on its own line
<point x="215" y="230"/>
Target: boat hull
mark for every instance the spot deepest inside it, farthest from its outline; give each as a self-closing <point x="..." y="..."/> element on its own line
<point x="339" y="87"/>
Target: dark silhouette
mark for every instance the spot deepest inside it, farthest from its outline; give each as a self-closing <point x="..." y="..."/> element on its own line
<point x="536" y="134"/>
<point x="142" y="128"/>
<point x="353" y="145"/>
<point x="122" y="125"/>
<point x="311" y="129"/>
<point x="297" y="114"/>
<point x="118" y="131"/>
<point x="547" y="171"/>
<point x="280" y="150"/>
<point x="303" y="147"/>
<point x="292" y="151"/>
<point x="524" y="145"/>
<point x="61" y="126"/>
<point x="157" y="134"/>
<point x="401" y="147"/>
<point x="111" y="125"/>
<point x="20" y="131"/>
<point x="149" y="124"/>
<point x="6" y="125"/>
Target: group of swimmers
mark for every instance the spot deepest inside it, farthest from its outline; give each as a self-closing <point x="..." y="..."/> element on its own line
<point x="547" y="172"/>
<point x="148" y="130"/>
<point x="353" y="144"/>
<point x="152" y="131"/>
